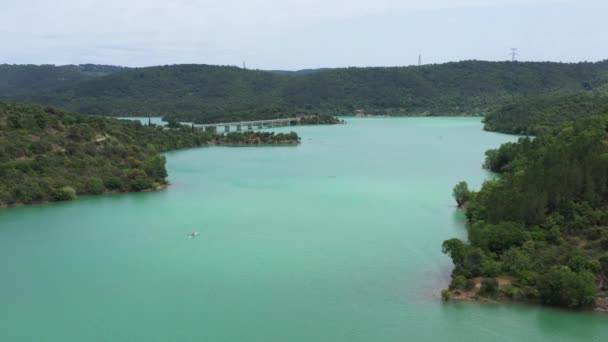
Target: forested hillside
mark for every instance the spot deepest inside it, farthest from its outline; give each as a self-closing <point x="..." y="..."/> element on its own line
<point x="540" y="231"/>
<point x="538" y="114"/>
<point x="20" y="79"/>
<point x="204" y="93"/>
<point x="51" y="155"/>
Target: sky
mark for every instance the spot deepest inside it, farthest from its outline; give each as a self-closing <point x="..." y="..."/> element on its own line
<point x="292" y="35"/>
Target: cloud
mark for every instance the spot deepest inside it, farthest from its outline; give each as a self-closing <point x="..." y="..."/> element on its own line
<point x="269" y="33"/>
<point x="204" y="16"/>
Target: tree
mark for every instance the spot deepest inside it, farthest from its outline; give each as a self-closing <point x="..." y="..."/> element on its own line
<point x="455" y="249"/>
<point x="138" y="180"/>
<point x="461" y="193"/>
<point x="172" y="123"/>
<point x="155" y="167"/>
<point x="563" y="287"/>
<point x="95" y="186"/>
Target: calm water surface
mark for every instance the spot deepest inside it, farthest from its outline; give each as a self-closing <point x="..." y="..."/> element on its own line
<point x="337" y="239"/>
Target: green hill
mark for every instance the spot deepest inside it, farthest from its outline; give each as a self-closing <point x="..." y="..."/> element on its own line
<point x="20" y="79"/>
<point x="204" y="93"/>
<point x="536" y="115"/>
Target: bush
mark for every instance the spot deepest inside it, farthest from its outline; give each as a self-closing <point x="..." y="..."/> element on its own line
<point x="491" y="268"/>
<point x="113" y="183"/>
<point x="155" y="167"/>
<point x="66" y="193"/>
<point x="95" y="186"/>
<point x="489" y="287"/>
<point x="563" y="287"/>
<point x="138" y="180"/>
<point x="604" y="243"/>
<point x="445" y="294"/>
<point x="470" y="284"/>
<point x="459" y="283"/>
<point x="511" y="291"/>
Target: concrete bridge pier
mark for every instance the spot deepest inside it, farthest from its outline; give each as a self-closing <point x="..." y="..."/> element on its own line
<point x="238" y="127"/>
<point x="227" y="128"/>
<point x="249" y="126"/>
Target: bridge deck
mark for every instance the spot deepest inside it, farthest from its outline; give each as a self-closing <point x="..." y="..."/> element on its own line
<point x="253" y="122"/>
<point x="250" y="124"/>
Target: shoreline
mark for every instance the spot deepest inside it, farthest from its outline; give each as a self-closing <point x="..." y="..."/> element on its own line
<point x="602" y="309"/>
<point x="165" y="186"/>
<point x="105" y="193"/>
<point x="473" y="296"/>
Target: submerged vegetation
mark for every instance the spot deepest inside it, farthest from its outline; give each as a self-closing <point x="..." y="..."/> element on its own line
<point x="542" y="227"/>
<point x="51" y="155"/>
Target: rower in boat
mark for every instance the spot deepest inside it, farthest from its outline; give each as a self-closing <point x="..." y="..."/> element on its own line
<point x="193" y="235"/>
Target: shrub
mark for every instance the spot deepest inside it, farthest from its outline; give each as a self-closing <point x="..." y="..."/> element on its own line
<point x="470" y="284"/>
<point x="66" y="193"/>
<point x="489" y="287"/>
<point x="113" y="183"/>
<point x="95" y="186"/>
<point x="563" y="287"/>
<point x="511" y="291"/>
<point x="459" y="282"/>
<point x="138" y="180"/>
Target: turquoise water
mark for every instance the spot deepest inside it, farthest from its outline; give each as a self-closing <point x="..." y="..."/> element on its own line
<point x="337" y="239"/>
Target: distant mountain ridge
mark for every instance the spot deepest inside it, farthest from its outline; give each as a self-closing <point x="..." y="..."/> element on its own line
<point x="299" y="72"/>
<point x="207" y="93"/>
<point x="20" y="79"/>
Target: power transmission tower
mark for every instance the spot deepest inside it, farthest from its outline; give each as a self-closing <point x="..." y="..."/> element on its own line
<point x="513" y="54"/>
<point x="419" y="60"/>
<point x="244" y="65"/>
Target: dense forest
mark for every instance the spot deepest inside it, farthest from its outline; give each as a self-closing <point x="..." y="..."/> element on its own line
<point x="539" y="231"/>
<point x="203" y="93"/>
<point x="21" y="79"/>
<point x="320" y="119"/>
<point x="538" y="114"/>
<point x="51" y="155"/>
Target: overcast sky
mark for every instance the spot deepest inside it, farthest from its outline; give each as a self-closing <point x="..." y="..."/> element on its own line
<point x="289" y="34"/>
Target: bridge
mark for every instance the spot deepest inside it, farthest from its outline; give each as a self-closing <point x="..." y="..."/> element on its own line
<point x="249" y="125"/>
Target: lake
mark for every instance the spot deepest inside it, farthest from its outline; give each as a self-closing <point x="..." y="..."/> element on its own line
<point x="337" y="239"/>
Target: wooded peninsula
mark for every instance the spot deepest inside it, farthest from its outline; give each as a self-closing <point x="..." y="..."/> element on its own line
<point x="539" y="231"/>
<point x="52" y="155"/>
